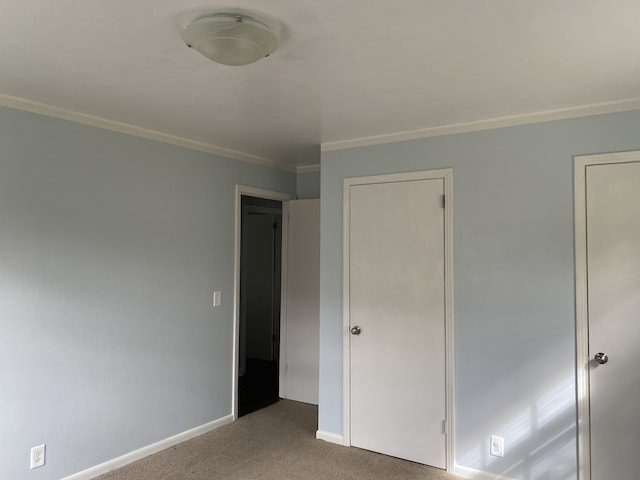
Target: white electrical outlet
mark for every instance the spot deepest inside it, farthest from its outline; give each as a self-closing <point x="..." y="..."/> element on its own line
<point x="497" y="446"/>
<point x="38" y="456"/>
<point x="216" y="298"/>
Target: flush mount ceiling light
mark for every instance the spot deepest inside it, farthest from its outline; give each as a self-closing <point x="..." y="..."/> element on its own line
<point x="231" y="38"/>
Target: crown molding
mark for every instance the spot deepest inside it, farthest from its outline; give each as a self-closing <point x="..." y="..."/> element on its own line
<point x="488" y="124"/>
<point x="99" y="122"/>
<point x="308" y="168"/>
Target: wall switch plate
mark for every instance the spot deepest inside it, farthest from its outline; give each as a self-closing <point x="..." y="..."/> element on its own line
<point x="217" y="298"/>
<point x="38" y="456"/>
<point x="497" y="446"/>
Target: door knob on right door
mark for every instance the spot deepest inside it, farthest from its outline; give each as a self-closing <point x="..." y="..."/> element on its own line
<point x="356" y="330"/>
<point x="601" y="358"/>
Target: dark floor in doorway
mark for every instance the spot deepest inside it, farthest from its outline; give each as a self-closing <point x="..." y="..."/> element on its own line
<point x="258" y="387"/>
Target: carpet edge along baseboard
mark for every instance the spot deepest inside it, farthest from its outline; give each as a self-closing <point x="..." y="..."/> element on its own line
<point x="127" y="458"/>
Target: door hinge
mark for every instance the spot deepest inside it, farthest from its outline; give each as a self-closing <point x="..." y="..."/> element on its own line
<point x="443" y="201"/>
<point x="444" y="427"/>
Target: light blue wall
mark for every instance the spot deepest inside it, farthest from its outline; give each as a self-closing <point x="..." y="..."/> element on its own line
<point x="308" y="185"/>
<point x="110" y="249"/>
<point x="514" y="282"/>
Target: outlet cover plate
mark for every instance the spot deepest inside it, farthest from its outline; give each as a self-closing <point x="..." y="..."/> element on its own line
<point x="38" y="456"/>
<point x="497" y="446"/>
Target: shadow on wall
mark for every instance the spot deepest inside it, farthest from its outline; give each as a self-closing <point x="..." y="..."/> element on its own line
<point x="551" y="415"/>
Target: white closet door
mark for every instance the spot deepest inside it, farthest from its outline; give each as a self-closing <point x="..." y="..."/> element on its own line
<point x="397" y="319"/>
<point x="613" y="270"/>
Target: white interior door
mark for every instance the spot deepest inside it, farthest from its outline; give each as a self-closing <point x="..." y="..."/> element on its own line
<point x="613" y="279"/>
<point x="397" y="301"/>
<point x="302" y="309"/>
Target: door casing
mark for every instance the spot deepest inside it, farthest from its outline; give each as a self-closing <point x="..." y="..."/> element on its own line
<point x="447" y="176"/>
<point x="270" y="195"/>
<point x="582" y="312"/>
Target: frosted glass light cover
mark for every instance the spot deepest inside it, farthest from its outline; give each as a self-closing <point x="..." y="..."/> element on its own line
<point x="230" y="39"/>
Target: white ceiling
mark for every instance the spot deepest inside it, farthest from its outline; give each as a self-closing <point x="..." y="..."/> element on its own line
<point x="345" y="69"/>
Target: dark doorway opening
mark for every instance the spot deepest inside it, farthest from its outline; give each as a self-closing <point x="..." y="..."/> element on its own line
<point x="260" y="274"/>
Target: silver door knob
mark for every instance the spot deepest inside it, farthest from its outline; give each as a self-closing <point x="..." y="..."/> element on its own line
<point x="601" y="358"/>
<point x="356" y="330"/>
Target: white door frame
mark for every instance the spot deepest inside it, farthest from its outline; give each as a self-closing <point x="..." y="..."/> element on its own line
<point x="270" y="195"/>
<point x="447" y="176"/>
<point x="582" y="311"/>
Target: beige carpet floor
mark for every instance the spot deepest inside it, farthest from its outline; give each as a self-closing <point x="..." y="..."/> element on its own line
<point x="276" y="443"/>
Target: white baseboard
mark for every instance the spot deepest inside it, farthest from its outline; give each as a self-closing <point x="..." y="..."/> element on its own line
<point x="473" y="474"/>
<point x="330" y="437"/>
<point x="143" y="452"/>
